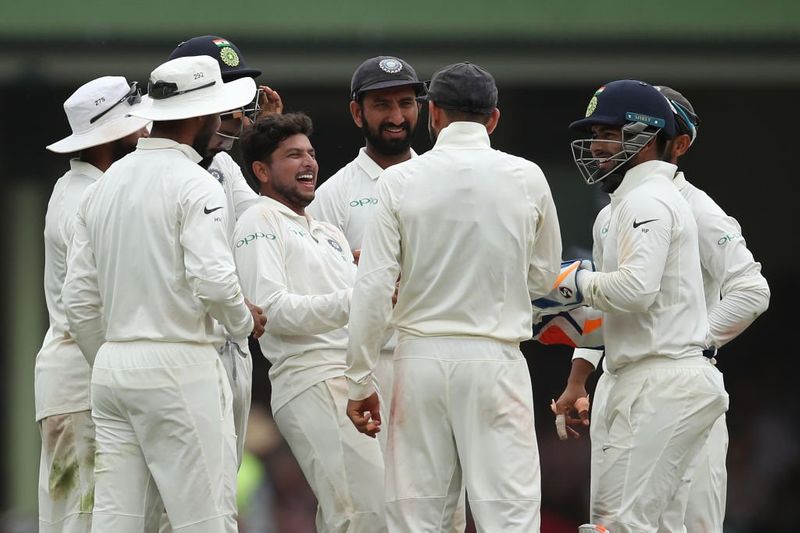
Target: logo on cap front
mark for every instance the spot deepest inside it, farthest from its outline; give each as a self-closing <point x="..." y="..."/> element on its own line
<point x="390" y="65"/>
<point x="593" y="102"/>
<point x="229" y="57"/>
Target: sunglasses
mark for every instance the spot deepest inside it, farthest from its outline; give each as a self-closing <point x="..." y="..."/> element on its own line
<point x="159" y="90"/>
<point x="133" y="96"/>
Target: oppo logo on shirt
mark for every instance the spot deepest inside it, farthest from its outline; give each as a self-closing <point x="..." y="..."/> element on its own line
<point x="729" y="238"/>
<point x="253" y="237"/>
<point x="363" y="202"/>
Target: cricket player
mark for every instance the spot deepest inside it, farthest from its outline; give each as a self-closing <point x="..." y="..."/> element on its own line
<point x="301" y="271"/>
<point x="102" y="132"/>
<point x="463" y="403"/>
<point x="383" y="104"/>
<point x="149" y="267"/>
<point x="235" y="353"/>
<point x="659" y="409"/>
<point x="736" y="294"/>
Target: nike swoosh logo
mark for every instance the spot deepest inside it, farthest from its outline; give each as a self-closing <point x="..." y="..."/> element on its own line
<point x="208" y="211"/>
<point x="637" y="224"/>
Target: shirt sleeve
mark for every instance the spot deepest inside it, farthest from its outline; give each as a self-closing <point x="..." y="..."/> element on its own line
<point x="261" y="260"/>
<point x="744" y="291"/>
<point x="207" y="256"/>
<point x="545" y="260"/>
<point x="81" y="294"/>
<point x="371" y="308"/>
<point x="642" y="254"/>
<point x="243" y="195"/>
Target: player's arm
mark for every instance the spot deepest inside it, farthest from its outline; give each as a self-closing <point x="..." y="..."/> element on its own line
<point x="644" y="230"/>
<point x="243" y="195"/>
<point x="743" y="289"/>
<point x="260" y="252"/>
<point x="545" y="250"/>
<point x="207" y="257"/>
<point x="81" y="294"/>
<point x="378" y="270"/>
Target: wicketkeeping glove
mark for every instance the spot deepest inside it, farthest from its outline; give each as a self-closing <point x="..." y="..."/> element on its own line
<point x="581" y="327"/>
<point x="565" y="294"/>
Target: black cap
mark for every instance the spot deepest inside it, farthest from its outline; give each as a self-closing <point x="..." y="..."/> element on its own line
<point x="623" y="101"/>
<point x="463" y="87"/>
<point x="383" y="72"/>
<point x="230" y="59"/>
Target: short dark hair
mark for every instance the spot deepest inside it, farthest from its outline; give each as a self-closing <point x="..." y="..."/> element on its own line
<point x="262" y="139"/>
<point x="454" y="115"/>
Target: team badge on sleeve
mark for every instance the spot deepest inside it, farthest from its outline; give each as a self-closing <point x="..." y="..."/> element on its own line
<point x="336" y="246"/>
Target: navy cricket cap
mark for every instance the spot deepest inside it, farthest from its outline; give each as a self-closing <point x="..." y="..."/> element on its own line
<point x="230" y="59"/>
<point x="383" y="72"/>
<point x="463" y="87"/>
<point x="624" y="101"/>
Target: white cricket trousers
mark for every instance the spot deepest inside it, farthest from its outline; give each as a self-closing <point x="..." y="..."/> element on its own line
<point x="66" y="473"/>
<point x="165" y="438"/>
<point x="343" y="467"/>
<point x="649" y="425"/>
<point x="238" y="365"/>
<point x="462" y="407"/>
<point x="384" y="376"/>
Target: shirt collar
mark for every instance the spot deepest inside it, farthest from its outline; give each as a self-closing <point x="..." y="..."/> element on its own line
<point x="87" y="169"/>
<point x="680" y="181"/>
<point x="641" y="172"/>
<point x="369" y="166"/>
<point x="458" y="134"/>
<point x="285" y="210"/>
<point x="160" y="143"/>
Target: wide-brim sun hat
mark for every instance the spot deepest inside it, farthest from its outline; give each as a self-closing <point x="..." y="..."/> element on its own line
<point x="97" y="113"/>
<point x="188" y="87"/>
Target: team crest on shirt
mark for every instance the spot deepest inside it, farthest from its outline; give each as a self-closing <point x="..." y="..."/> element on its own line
<point x="217" y="174"/>
<point x="336" y="246"/>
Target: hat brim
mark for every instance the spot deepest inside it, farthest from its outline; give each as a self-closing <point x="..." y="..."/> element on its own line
<point x="235" y="74"/>
<point x="213" y="100"/>
<point x="418" y="86"/>
<point x="585" y="124"/>
<point x="109" y="131"/>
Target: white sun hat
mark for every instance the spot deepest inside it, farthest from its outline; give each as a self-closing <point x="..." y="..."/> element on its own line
<point x="191" y="86"/>
<point x="98" y="113"/>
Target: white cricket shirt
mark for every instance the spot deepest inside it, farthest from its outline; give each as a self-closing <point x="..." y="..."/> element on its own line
<point x="150" y="258"/>
<point x="651" y="287"/>
<point x="301" y="272"/>
<point x="347" y="200"/>
<point x="239" y="196"/>
<point x="474" y="232"/>
<point x="61" y="374"/>
<point x="736" y="293"/>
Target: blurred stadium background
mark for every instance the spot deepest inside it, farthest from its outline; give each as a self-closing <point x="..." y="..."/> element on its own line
<point x="738" y="61"/>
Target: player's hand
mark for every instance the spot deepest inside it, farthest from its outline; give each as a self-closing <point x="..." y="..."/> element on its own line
<point x="259" y="319"/>
<point x="565" y="294"/>
<point x="356" y="255"/>
<point x="571" y="410"/>
<point x="366" y="414"/>
<point x="270" y="101"/>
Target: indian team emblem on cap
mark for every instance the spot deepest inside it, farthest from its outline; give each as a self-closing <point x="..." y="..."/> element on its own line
<point x="229" y="57"/>
<point x="593" y="102"/>
<point x="390" y="65"/>
<point x="592" y="106"/>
